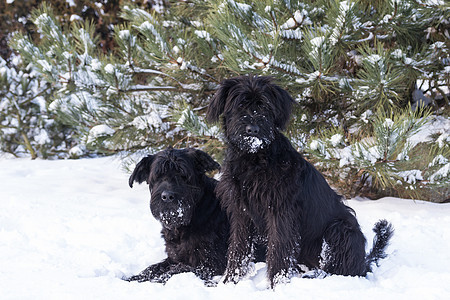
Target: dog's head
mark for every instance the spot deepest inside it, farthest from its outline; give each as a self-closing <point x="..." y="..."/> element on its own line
<point x="252" y="110"/>
<point x="176" y="181"/>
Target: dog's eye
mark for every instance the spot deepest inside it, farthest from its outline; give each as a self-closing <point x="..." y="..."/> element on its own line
<point x="183" y="175"/>
<point x="261" y="105"/>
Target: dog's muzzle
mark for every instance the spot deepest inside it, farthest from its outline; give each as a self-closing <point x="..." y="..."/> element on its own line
<point x="176" y="216"/>
<point x="253" y="144"/>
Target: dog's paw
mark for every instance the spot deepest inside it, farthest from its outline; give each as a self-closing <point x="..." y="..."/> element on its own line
<point x="232" y="276"/>
<point x="317" y="273"/>
<point x="211" y="282"/>
<point x="230" y="279"/>
<point x="138" y="278"/>
<point x="155" y="279"/>
<point x="282" y="277"/>
<point x="237" y="273"/>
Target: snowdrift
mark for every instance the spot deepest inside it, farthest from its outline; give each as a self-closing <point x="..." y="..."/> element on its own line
<point x="71" y="229"/>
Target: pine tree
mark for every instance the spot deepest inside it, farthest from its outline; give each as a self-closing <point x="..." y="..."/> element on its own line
<point x="100" y="96"/>
<point x="26" y="123"/>
<point x="58" y="70"/>
<point x="349" y="63"/>
<point x="360" y="71"/>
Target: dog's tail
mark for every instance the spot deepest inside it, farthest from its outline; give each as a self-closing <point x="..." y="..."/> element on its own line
<point x="383" y="233"/>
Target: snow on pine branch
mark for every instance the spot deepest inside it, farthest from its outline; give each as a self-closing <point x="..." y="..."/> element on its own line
<point x="298" y="19"/>
<point x="251" y="48"/>
<point x="246" y="12"/>
<point x="137" y="14"/>
<point x="151" y="32"/>
<point x="190" y="121"/>
<point x="345" y="17"/>
<point x="45" y="24"/>
<point x="292" y="34"/>
<point x="99" y="131"/>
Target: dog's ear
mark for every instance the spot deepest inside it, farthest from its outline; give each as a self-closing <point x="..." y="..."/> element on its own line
<point x="203" y="162"/>
<point x="218" y="101"/>
<point x="141" y="171"/>
<point x="283" y="107"/>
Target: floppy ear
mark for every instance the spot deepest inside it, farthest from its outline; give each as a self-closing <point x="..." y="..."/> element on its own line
<point x="203" y="162"/>
<point x="217" y="105"/>
<point x="141" y="171"/>
<point x="284" y="103"/>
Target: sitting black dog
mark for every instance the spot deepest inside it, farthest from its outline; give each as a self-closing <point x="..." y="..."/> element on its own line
<point x="269" y="190"/>
<point x="195" y="228"/>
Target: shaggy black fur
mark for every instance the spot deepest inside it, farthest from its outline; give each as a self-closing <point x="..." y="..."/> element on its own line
<point x="195" y="228"/>
<point x="269" y="190"/>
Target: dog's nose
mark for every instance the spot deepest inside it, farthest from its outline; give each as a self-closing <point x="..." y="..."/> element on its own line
<point x="252" y="129"/>
<point x="167" y="196"/>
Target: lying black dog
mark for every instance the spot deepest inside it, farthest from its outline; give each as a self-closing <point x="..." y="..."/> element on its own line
<point x="268" y="189"/>
<point x="195" y="229"/>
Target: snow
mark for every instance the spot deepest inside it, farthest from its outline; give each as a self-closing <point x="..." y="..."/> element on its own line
<point x="315" y="144"/>
<point x="203" y="34"/>
<point x="292" y="34"/>
<point x="435" y="125"/>
<point x="438" y="160"/>
<point x="148" y="28"/>
<point x="125" y="35"/>
<point x="346" y="156"/>
<point x="441" y="173"/>
<point x="336" y="139"/>
<point x="241" y="8"/>
<point x="45" y="65"/>
<point x="109" y="68"/>
<point x="99" y="130"/>
<point x="75" y="99"/>
<point x="316" y="47"/>
<point x="317" y="41"/>
<point x="299" y="18"/>
<point x="153" y="119"/>
<point x="338" y="30"/>
<point x="253" y="143"/>
<point x="290" y="23"/>
<point x="434" y="2"/>
<point x="76" y="151"/>
<point x="158" y="6"/>
<point x="42" y="137"/>
<point x="411" y="176"/>
<point x="71" y="229"/>
<point x="95" y="64"/>
<point x="43" y="18"/>
<point x="374" y="59"/>
<point x="75" y="18"/>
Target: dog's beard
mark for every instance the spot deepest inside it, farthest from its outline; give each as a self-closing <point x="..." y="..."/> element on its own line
<point x="253" y="144"/>
<point x="176" y="216"/>
<point x="237" y="137"/>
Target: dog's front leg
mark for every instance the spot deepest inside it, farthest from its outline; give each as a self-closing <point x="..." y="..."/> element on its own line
<point x="240" y="246"/>
<point x="283" y="248"/>
<point x="155" y="273"/>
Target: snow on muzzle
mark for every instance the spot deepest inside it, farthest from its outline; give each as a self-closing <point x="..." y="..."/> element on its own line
<point x="175" y="216"/>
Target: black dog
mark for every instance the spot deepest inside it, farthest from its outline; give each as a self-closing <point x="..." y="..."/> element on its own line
<point x="195" y="228"/>
<point x="268" y="189"/>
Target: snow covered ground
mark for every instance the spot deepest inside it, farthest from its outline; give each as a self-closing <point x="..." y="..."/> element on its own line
<point x="71" y="229"/>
